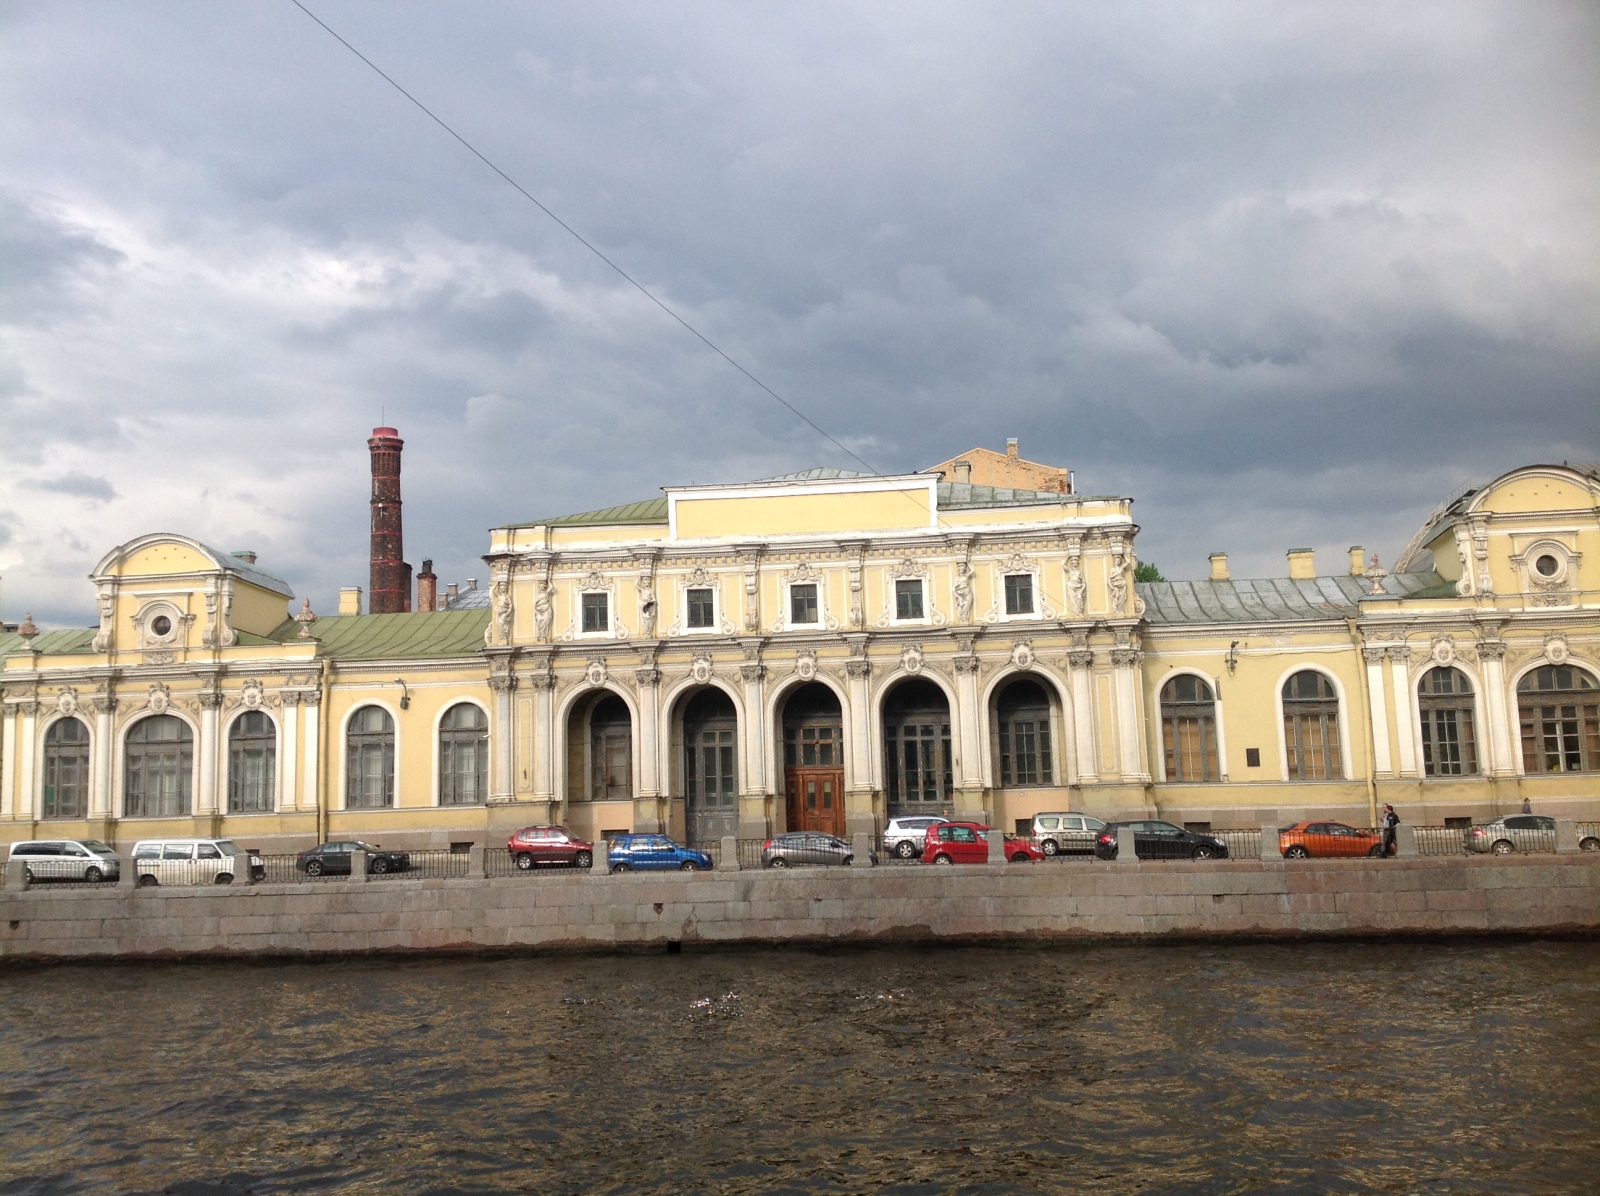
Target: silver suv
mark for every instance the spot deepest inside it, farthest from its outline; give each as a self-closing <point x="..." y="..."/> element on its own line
<point x="1058" y="834"/>
<point x="905" y="837"/>
<point x="67" y="859"/>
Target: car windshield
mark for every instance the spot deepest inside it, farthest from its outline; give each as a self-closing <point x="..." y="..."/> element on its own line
<point x="227" y="847"/>
<point x="98" y="847"/>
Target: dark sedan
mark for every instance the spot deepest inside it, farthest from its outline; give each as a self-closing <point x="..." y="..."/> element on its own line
<point x="1155" y="840"/>
<point x="333" y="859"/>
<point x="807" y="848"/>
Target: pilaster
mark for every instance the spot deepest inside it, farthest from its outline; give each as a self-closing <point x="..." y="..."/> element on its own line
<point x="210" y="730"/>
<point x="1085" y="769"/>
<point x="289" y="772"/>
<point x="1378" y="712"/>
<point x="1496" y="705"/>
<point x="1399" y="676"/>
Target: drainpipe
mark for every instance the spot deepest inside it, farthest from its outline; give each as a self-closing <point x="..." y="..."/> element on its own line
<point x="1366" y="717"/>
<point x="324" y="746"/>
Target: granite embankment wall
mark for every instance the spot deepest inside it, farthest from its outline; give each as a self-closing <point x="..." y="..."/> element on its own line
<point x="579" y="911"/>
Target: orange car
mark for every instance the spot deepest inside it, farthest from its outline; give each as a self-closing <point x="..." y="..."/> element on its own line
<point x="1302" y="839"/>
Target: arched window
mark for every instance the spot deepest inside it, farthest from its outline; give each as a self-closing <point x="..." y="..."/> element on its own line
<point x="1311" y="728"/>
<point x="611" y="750"/>
<point x="916" y="745"/>
<point x="463" y="756"/>
<point x="1189" y="729"/>
<point x="252" y="764"/>
<point x="66" y="770"/>
<point x="1449" y="747"/>
<point x="1022" y="742"/>
<point x="369" y="759"/>
<point x="1560" y="710"/>
<point x="158" y="767"/>
<point x="711" y="765"/>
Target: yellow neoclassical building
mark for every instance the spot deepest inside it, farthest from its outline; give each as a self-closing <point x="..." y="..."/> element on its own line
<point x="823" y="650"/>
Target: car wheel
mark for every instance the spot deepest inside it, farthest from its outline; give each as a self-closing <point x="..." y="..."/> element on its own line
<point x="93" y="875"/>
<point x="905" y="850"/>
<point x="619" y="866"/>
<point x="222" y="878"/>
<point x="583" y="860"/>
<point x="148" y="881"/>
<point x="1590" y="845"/>
<point x="525" y="862"/>
<point x="314" y="867"/>
<point x="1205" y="853"/>
<point x="1377" y="852"/>
<point x="688" y="866"/>
<point x="377" y="865"/>
<point x="1504" y="847"/>
<point x="942" y="859"/>
<point x="778" y="862"/>
<point x="1022" y="857"/>
<point x="1049" y="847"/>
<point x="1298" y="852"/>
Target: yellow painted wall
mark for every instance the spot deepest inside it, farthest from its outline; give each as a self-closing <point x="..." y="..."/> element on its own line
<point x="801" y="514"/>
<point x="162" y="559"/>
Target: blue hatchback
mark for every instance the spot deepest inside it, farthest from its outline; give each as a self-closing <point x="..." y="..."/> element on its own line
<point x="646" y="852"/>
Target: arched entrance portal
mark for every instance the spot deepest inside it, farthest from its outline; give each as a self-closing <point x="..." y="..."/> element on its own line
<point x="600" y="750"/>
<point x="916" y="750"/>
<point x="813" y="760"/>
<point x="710" y="766"/>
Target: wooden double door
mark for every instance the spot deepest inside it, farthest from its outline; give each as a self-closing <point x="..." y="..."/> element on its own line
<point x="815" y="799"/>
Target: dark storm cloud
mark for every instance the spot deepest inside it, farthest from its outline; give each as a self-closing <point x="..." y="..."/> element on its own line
<point x="1285" y="273"/>
<point x="79" y="485"/>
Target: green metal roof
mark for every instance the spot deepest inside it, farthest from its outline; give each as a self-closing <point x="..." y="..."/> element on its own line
<point x="651" y="510"/>
<point x="415" y="636"/>
<point x="1276" y="599"/>
<point x="74" y="641"/>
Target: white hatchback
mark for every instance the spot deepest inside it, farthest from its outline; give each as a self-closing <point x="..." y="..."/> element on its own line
<point x="1057" y="834"/>
<point x="194" y="862"/>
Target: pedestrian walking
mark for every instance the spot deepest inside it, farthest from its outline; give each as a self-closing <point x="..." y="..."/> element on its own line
<point x="1390" y="821"/>
<point x="1527" y="806"/>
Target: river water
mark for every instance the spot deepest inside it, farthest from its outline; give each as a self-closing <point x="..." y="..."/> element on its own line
<point x="1420" y="1067"/>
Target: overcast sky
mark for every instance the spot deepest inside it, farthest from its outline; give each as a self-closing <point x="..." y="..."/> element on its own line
<point x="1287" y="274"/>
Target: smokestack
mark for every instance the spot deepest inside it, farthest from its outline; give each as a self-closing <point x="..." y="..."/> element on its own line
<point x="964" y="472"/>
<point x="1012" y="447"/>
<point x="390" y="589"/>
<point x="427" y="588"/>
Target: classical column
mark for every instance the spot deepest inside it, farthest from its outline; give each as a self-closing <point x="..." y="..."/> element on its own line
<point x="544" y="734"/>
<point x="8" y="754"/>
<point x="1080" y="663"/>
<point x="1124" y="684"/>
<point x="755" y="786"/>
<point x="1496" y="705"/>
<point x="210" y="726"/>
<point x="648" y="812"/>
<point x="27" y="761"/>
<point x="969" y="722"/>
<point x="288" y="775"/>
<point x="1378" y="711"/>
<point x="1404" y="731"/>
<point x="311" y="795"/>
<point x="501" y="784"/>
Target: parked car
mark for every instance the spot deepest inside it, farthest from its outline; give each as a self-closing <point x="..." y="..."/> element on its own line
<point x="968" y="843"/>
<point x="67" y="859"/>
<point x="1059" y="834"/>
<point x="195" y="862"/>
<point x="333" y="859"/>
<point x="1157" y="840"/>
<point x="535" y="845"/>
<point x="806" y="848"/>
<point x="654" y="852"/>
<point x="905" y="837"/>
<point x="1513" y="833"/>
<point x="1299" y="840"/>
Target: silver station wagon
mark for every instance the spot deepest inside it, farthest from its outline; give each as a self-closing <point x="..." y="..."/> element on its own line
<point x="1061" y="834"/>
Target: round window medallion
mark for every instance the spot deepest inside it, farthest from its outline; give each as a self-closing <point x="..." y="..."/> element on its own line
<point x="1547" y="565"/>
<point x="161" y="625"/>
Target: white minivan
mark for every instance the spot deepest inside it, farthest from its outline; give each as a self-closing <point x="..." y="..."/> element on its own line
<point x="1060" y="833"/>
<point x="67" y="859"/>
<point x="194" y="862"/>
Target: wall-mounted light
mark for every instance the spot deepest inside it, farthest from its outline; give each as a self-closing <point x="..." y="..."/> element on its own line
<point x="405" y="694"/>
<point x="1232" y="658"/>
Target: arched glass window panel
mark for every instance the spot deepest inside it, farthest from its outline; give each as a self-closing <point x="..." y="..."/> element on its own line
<point x="463" y="756"/>
<point x="66" y="770"/>
<point x="1189" y="730"/>
<point x="711" y="765"/>
<point x="252" y="764"/>
<point x="1311" y="728"/>
<point x="611" y="750"/>
<point x="158" y="767"/>
<point x="1449" y="740"/>
<point x="1022" y="735"/>
<point x="1559" y="708"/>
<point x="369" y="759"/>
<point x="916" y="744"/>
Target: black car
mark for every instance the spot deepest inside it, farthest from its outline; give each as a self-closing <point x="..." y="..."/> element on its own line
<point x="1155" y="840"/>
<point x="333" y="859"/>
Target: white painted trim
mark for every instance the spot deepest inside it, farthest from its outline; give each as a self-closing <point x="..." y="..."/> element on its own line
<point x="821" y="582"/>
<point x="1033" y="616"/>
<point x="1344" y="721"/>
<point x="578" y="633"/>
<point x="923" y="620"/>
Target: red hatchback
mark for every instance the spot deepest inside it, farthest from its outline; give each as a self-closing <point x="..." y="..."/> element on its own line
<point x="968" y="843"/>
<point x="536" y="845"/>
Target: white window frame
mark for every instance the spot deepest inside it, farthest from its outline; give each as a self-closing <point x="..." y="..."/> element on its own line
<point x="1033" y="616"/>
<point x="894" y="602"/>
<point x="815" y="583"/>
<point x="1345" y="749"/>
<point x="611" y="616"/>
<point x="716" y="608"/>
<point x="225" y="761"/>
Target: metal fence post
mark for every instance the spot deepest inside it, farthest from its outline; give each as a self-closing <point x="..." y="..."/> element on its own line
<point x="1126" y="851"/>
<point x="728" y="856"/>
<point x="358" y="866"/>
<point x="1270" y="849"/>
<point x="1566" y="836"/>
<point x="861" y="850"/>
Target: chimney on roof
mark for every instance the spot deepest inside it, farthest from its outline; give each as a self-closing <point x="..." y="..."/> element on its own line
<point x="964" y="472"/>
<point x="472" y="583"/>
<point x="1012" y="448"/>
<point x="390" y="582"/>
<point x="1219" y="566"/>
<point x="1358" y="562"/>
<point x="1302" y="564"/>
<point x="451" y="592"/>
<point x="245" y="555"/>
<point x="427" y="587"/>
<point x="350" y="600"/>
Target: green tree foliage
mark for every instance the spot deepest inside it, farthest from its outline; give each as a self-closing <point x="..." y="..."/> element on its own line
<point x="1147" y="571"/>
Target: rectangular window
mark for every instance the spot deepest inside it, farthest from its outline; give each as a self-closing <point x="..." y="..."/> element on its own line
<point x="596" y="612"/>
<point x="1019" y="593"/>
<point x="803" y="603"/>
<point x="908" y="599"/>
<point x="702" y="609"/>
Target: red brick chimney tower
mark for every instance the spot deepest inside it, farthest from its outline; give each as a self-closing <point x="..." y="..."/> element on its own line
<point x="390" y="590"/>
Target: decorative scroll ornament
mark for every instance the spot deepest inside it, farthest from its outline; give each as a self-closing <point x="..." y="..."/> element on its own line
<point x="700" y="667"/>
<point x="912" y="659"/>
<point x="108" y="605"/>
<point x="253" y="695"/>
<point x="908" y="567"/>
<point x="67" y="702"/>
<point x="1444" y="650"/>
<point x="803" y="572"/>
<point x="596" y="674"/>
<point x="1555" y="648"/>
<point x="160" y="698"/>
<point x="805" y="665"/>
<point x="1022" y="654"/>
